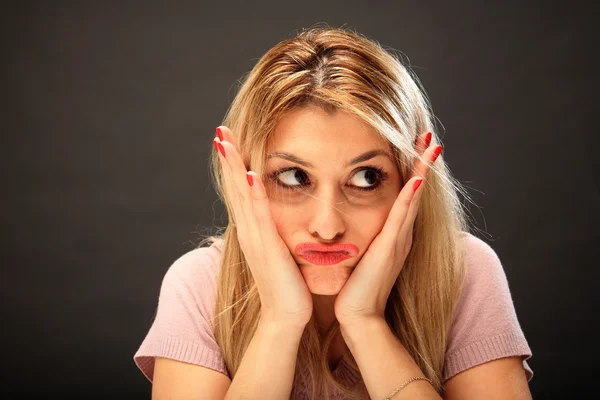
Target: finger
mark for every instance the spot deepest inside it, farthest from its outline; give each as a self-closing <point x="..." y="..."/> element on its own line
<point x="431" y="154"/>
<point x="225" y="134"/>
<point x="423" y="142"/>
<point x="231" y="187"/>
<point x="265" y="223"/>
<point x="413" y="209"/>
<point x="399" y="212"/>
<point x="428" y="158"/>
<point x="239" y="180"/>
<point x="423" y="164"/>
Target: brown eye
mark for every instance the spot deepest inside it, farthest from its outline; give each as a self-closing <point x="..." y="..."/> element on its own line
<point x="286" y="178"/>
<point x="370" y="176"/>
<point x="374" y="175"/>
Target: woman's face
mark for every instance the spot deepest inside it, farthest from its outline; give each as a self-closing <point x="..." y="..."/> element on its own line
<point x="324" y="202"/>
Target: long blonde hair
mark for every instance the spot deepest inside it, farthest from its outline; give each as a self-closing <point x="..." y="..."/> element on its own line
<point x="339" y="69"/>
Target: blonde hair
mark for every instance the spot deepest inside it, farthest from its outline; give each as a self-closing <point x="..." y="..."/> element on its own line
<point x="338" y="69"/>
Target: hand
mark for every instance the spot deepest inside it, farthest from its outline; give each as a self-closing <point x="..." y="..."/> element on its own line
<point x="365" y="294"/>
<point x="284" y="295"/>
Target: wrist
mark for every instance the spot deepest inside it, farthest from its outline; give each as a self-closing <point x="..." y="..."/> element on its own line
<point x="361" y="330"/>
<point x="278" y="325"/>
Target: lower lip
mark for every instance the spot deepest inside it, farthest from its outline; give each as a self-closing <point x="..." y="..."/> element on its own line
<point x="325" y="258"/>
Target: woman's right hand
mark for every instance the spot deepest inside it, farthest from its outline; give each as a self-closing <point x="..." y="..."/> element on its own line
<point x="284" y="295"/>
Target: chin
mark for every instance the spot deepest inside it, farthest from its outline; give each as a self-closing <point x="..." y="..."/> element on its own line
<point x="325" y="280"/>
<point x="325" y="289"/>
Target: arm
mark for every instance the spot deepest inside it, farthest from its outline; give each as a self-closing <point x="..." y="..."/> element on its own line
<point x="268" y="366"/>
<point x="384" y="363"/>
<point x="174" y="379"/>
<point x="499" y="379"/>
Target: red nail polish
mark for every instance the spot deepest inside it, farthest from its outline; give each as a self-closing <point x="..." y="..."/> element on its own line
<point x="250" y="180"/>
<point x="215" y="144"/>
<point x="220" y="134"/>
<point x="428" y="138"/>
<point x="417" y="184"/>
<point x="436" y="153"/>
<point x="222" y="149"/>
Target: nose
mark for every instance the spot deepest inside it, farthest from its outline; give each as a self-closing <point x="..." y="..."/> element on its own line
<point x="327" y="220"/>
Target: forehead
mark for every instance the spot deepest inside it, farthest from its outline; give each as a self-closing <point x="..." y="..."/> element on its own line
<point x="312" y="129"/>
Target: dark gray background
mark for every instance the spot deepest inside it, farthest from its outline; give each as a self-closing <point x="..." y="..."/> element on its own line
<point x="109" y="113"/>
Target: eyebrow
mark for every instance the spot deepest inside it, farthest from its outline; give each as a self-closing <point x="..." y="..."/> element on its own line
<point x="363" y="157"/>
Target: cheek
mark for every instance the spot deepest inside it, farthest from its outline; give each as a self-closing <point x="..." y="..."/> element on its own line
<point x="283" y="217"/>
<point x="370" y="224"/>
<point x="277" y="213"/>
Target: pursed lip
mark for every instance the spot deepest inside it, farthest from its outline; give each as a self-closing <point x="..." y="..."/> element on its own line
<point x="307" y="248"/>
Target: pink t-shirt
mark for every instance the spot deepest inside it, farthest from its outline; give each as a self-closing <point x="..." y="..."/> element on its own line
<point x="485" y="323"/>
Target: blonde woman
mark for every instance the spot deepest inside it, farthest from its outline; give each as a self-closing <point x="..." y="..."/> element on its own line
<point x="347" y="270"/>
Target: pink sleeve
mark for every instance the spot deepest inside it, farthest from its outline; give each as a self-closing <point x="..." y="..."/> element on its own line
<point x="485" y="326"/>
<point x="183" y="328"/>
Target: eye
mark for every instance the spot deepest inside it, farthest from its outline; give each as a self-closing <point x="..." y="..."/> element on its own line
<point x="286" y="177"/>
<point x="373" y="175"/>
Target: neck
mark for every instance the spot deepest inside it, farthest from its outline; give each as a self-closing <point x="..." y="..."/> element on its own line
<point x="323" y="312"/>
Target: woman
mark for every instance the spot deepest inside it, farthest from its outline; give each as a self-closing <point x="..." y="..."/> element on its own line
<point x="346" y="269"/>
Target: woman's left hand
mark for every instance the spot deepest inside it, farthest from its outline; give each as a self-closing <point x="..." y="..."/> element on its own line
<point x="365" y="294"/>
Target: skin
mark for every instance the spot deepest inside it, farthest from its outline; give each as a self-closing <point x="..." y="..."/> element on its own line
<point x="327" y="206"/>
<point x="329" y="209"/>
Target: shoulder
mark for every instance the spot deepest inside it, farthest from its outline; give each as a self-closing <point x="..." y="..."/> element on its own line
<point x="182" y="329"/>
<point x="477" y="249"/>
<point x="485" y="278"/>
<point x="482" y="263"/>
<point x="191" y="280"/>
<point x="196" y="267"/>
<point x="485" y="324"/>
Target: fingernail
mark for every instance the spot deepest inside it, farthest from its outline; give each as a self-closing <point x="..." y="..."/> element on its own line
<point x="428" y="138"/>
<point x="215" y="143"/>
<point x="219" y="133"/>
<point x="417" y="184"/>
<point x="222" y="149"/>
<point x="436" y="153"/>
<point x="250" y="180"/>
